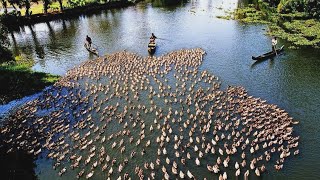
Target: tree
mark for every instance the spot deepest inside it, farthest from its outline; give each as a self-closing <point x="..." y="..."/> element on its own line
<point x="61" y="7"/>
<point x="24" y="3"/>
<point x="3" y="36"/>
<point x="20" y="4"/>
<point x="27" y="6"/>
<point x="13" y="3"/>
<point x="4" y="5"/>
<point x="46" y="5"/>
<point x="312" y="7"/>
<point x="5" y="54"/>
<point x="291" y="6"/>
<point x="60" y="4"/>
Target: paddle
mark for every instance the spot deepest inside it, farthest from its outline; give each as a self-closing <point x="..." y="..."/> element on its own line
<point x="163" y="39"/>
<point x="96" y="47"/>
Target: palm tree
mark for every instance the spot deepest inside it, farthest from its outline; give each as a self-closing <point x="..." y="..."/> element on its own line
<point x="27" y="5"/>
<point x="46" y="5"/>
<point x="4" y="5"/>
<point x="61" y="7"/>
<point x="21" y="3"/>
<point x="5" y="53"/>
<point x="14" y="2"/>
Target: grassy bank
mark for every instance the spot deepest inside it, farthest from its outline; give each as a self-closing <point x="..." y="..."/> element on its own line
<point x="18" y="80"/>
<point x="297" y="28"/>
<point x="14" y="19"/>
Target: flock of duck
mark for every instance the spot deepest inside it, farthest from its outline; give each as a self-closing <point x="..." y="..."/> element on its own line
<point x="127" y="117"/>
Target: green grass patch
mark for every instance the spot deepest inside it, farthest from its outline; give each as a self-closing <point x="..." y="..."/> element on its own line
<point x="18" y="80"/>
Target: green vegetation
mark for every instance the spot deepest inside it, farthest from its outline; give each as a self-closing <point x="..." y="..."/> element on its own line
<point x="16" y="77"/>
<point x="5" y="54"/>
<point x="299" y="32"/>
<point x="296" y="21"/>
<point x="250" y="15"/>
<point x="27" y="12"/>
<point x="28" y="7"/>
<point x="18" y="80"/>
<point x="228" y="17"/>
<point x="159" y="3"/>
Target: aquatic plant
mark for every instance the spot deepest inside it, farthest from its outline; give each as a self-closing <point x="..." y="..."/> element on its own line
<point x="299" y="32"/>
<point x="293" y="24"/>
<point x="312" y="7"/>
<point x="250" y="15"/>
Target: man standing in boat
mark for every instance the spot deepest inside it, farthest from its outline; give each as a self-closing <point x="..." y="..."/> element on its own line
<point x="89" y="41"/>
<point x="274" y="42"/>
<point x="152" y="38"/>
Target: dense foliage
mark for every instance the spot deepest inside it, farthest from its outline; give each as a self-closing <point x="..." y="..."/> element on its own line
<point x="313" y="8"/>
<point x="291" y="6"/>
<point x="296" y="21"/>
<point x="18" y="81"/>
<point x="310" y="7"/>
<point x="5" y="54"/>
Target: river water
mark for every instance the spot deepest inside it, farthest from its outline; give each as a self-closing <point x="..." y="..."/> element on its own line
<point x="291" y="80"/>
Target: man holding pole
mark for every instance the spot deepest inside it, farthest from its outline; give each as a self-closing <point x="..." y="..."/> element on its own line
<point x="89" y="41"/>
<point x="274" y="42"/>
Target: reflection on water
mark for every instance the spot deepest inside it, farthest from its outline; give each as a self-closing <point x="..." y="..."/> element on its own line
<point x="290" y="80"/>
<point x="17" y="165"/>
<point x="166" y="3"/>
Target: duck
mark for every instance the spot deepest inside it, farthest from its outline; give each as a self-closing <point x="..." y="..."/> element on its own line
<point x="197" y="162"/>
<point x="190" y="175"/>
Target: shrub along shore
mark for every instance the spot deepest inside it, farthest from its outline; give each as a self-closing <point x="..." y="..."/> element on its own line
<point x="18" y="80"/>
<point x="296" y="23"/>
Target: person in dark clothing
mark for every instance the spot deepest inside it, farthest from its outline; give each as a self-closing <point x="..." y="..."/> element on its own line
<point x="89" y="41"/>
<point x="153" y="37"/>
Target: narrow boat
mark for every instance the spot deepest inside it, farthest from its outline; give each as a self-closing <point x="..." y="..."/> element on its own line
<point x="268" y="55"/>
<point x="91" y="49"/>
<point x="152" y="47"/>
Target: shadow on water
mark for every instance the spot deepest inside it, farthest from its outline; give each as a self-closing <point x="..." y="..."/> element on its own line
<point x="51" y="32"/>
<point x="162" y="3"/>
<point x="17" y="82"/>
<point x="270" y="60"/>
<point x="15" y="48"/>
<point x="38" y="48"/>
<point x="16" y="165"/>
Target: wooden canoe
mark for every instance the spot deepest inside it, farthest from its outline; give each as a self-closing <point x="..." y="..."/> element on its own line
<point x="91" y="50"/>
<point x="268" y="55"/>
<point x="152" y="47"/>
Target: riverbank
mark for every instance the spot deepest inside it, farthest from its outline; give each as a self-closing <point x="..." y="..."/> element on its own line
<point x="297" y="28"/>
<point x="12" y="20"/>
<point x="18" y="80"/>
